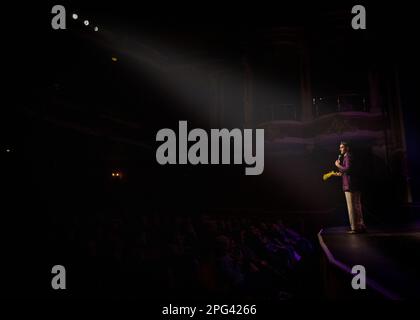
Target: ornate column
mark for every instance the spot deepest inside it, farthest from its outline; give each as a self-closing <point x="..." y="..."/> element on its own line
<point x="248" y="95"/>
<point x="375" y="103"/>
<point x="216" y="109"/>
<point x="399" y="163"/>
<point x="305" y="85"/>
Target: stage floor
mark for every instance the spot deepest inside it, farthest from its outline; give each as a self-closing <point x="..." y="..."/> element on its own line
<point x="391" y="257"/>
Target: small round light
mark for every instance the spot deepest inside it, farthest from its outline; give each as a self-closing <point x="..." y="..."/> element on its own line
<point x="75" y="16"/>
<point x="114" y="59"/>
<point x="8" y="150"/>
<point x="86" y="22"/>
<point x="96" y="28"/>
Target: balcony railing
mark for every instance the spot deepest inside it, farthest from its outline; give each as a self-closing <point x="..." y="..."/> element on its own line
<point x="339" y="103"/>
<point x="283" y="111"/>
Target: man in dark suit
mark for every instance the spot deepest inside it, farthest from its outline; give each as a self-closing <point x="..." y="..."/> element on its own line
<point x="351" y="189"/>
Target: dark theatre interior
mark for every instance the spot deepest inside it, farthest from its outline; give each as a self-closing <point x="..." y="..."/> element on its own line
<point x="82" y="187"/>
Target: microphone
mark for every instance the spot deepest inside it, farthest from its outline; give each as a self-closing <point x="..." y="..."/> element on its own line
<point x="340" y="160"/>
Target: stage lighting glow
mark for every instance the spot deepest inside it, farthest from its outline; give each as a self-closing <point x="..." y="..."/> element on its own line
<point x="86" y="22"/>
<point x="96" y="28"/>
<point x="75" y="16"/>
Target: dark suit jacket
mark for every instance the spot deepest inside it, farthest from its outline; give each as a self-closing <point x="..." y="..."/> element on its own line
<point x="350" y="179"/>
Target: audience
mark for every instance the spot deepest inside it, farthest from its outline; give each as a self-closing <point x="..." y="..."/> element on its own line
<point x="194" y="257"/>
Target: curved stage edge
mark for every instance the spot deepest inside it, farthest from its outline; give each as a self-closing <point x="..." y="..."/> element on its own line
<point x="389" y="256"/>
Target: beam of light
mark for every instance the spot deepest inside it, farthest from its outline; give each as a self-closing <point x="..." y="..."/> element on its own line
<point x="208" y="88"/>
<point x="185" y="81"/>
<point x="193" y="78"/>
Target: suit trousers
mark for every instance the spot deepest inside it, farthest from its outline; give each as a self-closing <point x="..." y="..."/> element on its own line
<point x="354" y="207"/>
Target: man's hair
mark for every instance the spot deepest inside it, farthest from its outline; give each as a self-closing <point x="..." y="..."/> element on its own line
<point x="344" y="143"/>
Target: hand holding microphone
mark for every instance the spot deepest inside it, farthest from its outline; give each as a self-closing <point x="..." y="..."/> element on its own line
<point x="338" y="161"/>
<point x="330" y="174"/>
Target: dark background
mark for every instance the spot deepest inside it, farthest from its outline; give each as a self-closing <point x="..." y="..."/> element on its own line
<point x="59" y="84"/>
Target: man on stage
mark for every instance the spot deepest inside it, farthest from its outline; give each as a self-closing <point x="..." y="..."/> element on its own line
<point x="351" y="189"/>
